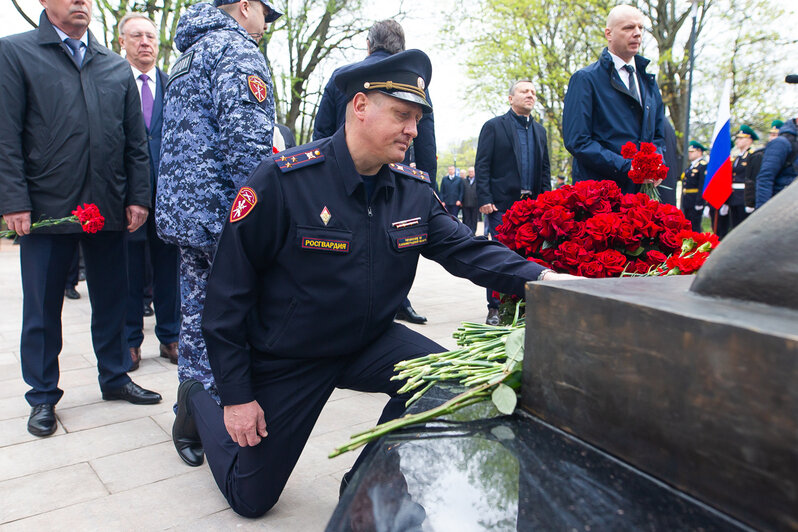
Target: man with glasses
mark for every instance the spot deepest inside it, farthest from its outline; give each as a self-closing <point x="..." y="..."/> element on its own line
<point x="138" y="37"/>
<point x="218" y="123"/>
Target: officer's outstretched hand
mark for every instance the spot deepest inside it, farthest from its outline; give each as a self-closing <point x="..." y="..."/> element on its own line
<point x="245" y="423"/>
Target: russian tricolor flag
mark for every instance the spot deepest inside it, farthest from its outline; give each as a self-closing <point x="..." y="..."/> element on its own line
<point x="718" y="182"/>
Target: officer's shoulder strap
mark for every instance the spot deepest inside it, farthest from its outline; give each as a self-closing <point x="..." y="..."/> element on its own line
<point x="296" y="158"/>
<point x="703" y="162"/>
<point x="415" y="173"/>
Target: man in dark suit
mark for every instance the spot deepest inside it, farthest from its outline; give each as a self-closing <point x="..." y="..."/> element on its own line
<point x="512" y="163"/>
<point x="612" y="102"/>
<point x="138" y="36"/>
<point x="452" y="191"/>
<point x="73" y="133"/>
<point x="470" y="200"/>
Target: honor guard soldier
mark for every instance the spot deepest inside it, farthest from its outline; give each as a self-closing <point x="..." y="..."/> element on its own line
<point x="334" y="224"/>
<point x="693" y="184"/>
<point x="744" y="168"/>
<point x="217" y="127"/>
<point x="775" y="126"/>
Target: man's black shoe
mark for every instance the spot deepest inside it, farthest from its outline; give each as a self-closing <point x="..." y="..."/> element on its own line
<point x="407" y="313"/>
<point x="132" y="393"/>
<point x="347" y="478"/>
<point x="184" y="431"/>
<point x="493" y="317"/>
<point x="71" y="293"/>
<point x="42" y="420"/>
<point x="148" y="310"/>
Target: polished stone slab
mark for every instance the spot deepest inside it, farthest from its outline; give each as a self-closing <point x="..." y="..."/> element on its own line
<point x="508" y="473"/>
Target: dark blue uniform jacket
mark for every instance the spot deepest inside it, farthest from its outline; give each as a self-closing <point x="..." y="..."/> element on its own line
<point x="290" y="286"/>
<point x="600" y="115"/>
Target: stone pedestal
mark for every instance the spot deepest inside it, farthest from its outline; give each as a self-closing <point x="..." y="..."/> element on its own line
<point x="700" y="392"/>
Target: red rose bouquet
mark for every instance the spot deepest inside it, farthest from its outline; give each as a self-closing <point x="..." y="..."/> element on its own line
<point x="88" y="217"/>
<point x="647" y="167"/>
<point x="591" y="229"/>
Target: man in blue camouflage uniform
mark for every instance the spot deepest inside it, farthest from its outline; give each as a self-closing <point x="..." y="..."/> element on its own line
<point x="218" y="122"/>
<point x="329" y="225"/>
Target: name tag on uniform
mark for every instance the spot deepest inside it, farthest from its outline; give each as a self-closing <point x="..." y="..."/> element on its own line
<point x="411" y="241"/>
<point x="324" y="244"/>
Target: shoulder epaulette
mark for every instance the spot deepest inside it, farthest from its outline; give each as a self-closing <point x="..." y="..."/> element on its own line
<point x="702" y="162"/>
<point x="415" y="173"/>
<point x="291" y="160"/>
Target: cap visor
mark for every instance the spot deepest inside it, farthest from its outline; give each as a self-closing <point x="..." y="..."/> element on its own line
<point x="410" y="97"/>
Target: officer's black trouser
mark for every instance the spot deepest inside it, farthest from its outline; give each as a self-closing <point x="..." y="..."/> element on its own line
<point x="292" y="393"/>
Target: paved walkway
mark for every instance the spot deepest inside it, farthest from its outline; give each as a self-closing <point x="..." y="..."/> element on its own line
<point x="112" y="466"/>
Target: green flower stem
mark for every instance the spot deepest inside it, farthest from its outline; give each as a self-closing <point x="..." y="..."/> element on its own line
<point x="460" y="401"/>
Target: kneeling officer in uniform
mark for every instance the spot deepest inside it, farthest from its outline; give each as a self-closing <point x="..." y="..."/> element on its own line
<point x="329" y="225"/>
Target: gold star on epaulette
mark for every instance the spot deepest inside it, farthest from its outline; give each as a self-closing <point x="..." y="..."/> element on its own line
<point x="288" y="165"/>
<point x="293" y="159"/>
<point x="282" y="158"/>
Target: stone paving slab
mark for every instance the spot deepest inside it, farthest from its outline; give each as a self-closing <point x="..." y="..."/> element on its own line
<point x="112" y="466"/>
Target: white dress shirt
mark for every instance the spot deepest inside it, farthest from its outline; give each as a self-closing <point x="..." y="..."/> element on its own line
<point x="84" y="39"/>
<point x="619" y="64"/>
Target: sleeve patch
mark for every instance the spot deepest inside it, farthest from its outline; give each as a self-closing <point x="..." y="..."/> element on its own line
<point x="245" y="201"/>
<point x="182" y="66"/>
<point x="258" y="87"/>
<point x="294" y="161"/>
<point x="415" y="173"/>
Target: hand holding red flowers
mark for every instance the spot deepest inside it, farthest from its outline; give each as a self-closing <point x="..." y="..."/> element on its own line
<point x="647" y="169"/>
<point x="88" y="216"/>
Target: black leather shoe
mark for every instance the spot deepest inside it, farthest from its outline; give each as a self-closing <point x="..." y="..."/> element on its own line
<point x="132" y="393"/>
<point x="148" y="310"/>
<point x="493" y="317"/>
<point x="184" y="431"/>
<point x="42" y="420"/>
<point x="407" y="313"/>
<point x="71" y="293"/>
<point x="347" y="478"/>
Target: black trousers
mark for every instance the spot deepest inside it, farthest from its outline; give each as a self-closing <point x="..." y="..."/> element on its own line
<point x="692" y="215"/>
<point x="45" y="261"/>
<point x="164" y="260"/>
<point x="292" y="393"/>
<point x="471" y="217"/>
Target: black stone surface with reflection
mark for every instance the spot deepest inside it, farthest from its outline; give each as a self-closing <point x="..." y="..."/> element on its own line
<point x="507" y="473"/>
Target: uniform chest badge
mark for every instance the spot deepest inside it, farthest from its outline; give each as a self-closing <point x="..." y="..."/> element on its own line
<point x="258" y="87"/>
<point x="325" y="215"/>
<point x="243" y="204"/>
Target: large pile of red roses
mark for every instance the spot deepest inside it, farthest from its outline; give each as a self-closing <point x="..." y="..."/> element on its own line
<point x="591" y="229"/>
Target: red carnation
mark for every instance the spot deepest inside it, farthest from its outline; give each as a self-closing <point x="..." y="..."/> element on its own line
<point x="89" y="217"/>
<point x="628" y="150"/>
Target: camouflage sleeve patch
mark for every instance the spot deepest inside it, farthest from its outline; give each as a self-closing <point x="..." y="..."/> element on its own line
<point x="294" y="161"/>
<point x="415" y="173"/>
<point x="182" y="67"/>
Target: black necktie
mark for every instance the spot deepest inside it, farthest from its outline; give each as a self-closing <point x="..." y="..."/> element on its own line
<point x="74" y="45"/>
<point x="632" y="85"/>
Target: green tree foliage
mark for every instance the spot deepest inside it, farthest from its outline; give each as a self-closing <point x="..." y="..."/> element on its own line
<point x="530" y="39"/>
<point x="670" y="27"/>
<point x="310" y="33"/>
<point x="751" y="47"/>
<point x="165" y="14"/>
